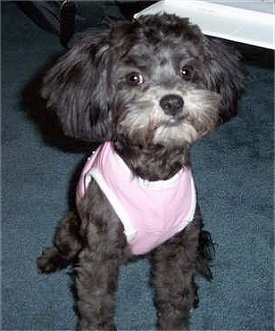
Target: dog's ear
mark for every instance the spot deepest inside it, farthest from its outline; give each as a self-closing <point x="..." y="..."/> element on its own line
<point x="223" y="73"/>
<point x="76" y="87"/>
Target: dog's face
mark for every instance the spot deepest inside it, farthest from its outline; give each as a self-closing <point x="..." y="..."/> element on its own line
<point x="155" y="81"/>
<point x="159" y="96"/>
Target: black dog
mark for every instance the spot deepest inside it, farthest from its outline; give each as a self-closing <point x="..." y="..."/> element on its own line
<point x="146" y="90"/>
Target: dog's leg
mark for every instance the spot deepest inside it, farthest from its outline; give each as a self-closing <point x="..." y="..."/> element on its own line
<point x="67" y="244"/>
<point x="104" y="250"/>
<point x="175" y="266"/>
<point x="97" y="277"/>
<point x="96" y="283"/>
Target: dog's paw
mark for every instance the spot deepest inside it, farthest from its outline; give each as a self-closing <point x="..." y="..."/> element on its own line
<point x="51" y="261"/>
<point x="84" y="326"/>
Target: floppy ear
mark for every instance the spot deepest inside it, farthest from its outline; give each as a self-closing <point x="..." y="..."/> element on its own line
<point x="223" y="73"/>
<point x="77" y="89"/>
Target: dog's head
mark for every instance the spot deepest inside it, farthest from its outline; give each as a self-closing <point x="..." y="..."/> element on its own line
<point x="153" y="81"/>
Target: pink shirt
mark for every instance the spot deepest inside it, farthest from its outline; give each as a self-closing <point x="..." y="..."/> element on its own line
<point x="151" y="212"/>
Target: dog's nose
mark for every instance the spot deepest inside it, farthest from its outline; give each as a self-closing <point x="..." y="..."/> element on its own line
<point x="171" y="104"/>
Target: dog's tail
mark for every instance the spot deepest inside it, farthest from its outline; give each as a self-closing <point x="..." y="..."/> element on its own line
<point x="67" y="244"/>
<point x="206" y="253"/>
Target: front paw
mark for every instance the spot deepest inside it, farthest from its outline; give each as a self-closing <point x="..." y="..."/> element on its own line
<point x="83" y="326"/>
<point x="173" y="320"/>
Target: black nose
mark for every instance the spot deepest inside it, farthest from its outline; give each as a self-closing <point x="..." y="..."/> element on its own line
<point x="171" y="103"/>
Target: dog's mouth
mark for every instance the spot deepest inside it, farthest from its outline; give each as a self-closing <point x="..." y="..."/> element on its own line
<point x="174" y="121"/>
<point x="171" y="122"/>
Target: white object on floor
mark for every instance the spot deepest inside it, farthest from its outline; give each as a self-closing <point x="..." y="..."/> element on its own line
<point x="249" y="22"/>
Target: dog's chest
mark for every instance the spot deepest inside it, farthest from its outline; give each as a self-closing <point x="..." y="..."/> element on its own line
<point x="151" y="212"/>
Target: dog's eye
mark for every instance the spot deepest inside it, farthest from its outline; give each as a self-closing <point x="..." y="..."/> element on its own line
<point x="187" y="72"/>
<point x="134" y="79"/>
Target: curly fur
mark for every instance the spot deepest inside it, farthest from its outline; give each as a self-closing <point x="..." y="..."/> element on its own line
<point x="153" y="86"/>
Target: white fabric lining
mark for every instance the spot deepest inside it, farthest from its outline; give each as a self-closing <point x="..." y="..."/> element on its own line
<point x="155" y="185"/>
<point x="190" y="216"/>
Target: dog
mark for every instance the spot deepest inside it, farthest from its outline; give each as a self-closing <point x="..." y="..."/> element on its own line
<point x="145" y="91"/>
